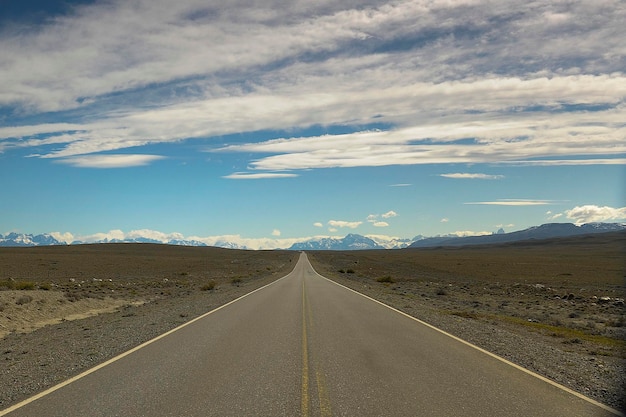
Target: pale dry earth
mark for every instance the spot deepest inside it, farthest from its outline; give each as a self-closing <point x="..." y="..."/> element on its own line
<point x="555" y="308"/>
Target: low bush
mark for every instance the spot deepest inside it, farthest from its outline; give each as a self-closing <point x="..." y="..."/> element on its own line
<point x="208" y="286"/>
<point x="387" y="279"/>
<point x="16" y="285"/>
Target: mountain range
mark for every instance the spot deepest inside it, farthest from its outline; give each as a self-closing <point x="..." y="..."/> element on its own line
<point x="354" y="241"/>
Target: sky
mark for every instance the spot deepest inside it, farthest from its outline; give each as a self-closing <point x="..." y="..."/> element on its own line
<point x="271" y="122"/>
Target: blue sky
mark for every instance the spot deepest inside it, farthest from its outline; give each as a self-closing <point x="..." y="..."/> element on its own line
<point x="276" y="122"/>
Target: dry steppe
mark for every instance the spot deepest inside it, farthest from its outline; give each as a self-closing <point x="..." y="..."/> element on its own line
<point x="554" y="306"/>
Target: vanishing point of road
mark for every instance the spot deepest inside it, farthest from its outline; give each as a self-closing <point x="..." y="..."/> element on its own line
<point x="305" y="346"/>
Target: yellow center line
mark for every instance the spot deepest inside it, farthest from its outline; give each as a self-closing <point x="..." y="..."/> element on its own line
<point x="305" y="359"/>
<point x="322" y="389"/>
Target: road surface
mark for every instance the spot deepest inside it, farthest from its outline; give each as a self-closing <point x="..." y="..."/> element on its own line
<point x="305" y="346"/>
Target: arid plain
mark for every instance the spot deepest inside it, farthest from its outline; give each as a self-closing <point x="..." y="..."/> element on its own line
<point x="554" y="306"/>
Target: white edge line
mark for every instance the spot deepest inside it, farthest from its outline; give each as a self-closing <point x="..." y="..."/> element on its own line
<point x="124" y="354"/>
<point x="493" y="355"/>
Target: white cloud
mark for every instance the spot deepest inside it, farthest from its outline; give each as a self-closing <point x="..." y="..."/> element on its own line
<point x="553" y="216"/>
<point x="63" y="237"/>
<point x="275" y="232"/>
<point x="250" y="243"/>
<point x="110" y="235"/>
<point x="318" y="224"/>
<point x="340" y="224"/>
<point x="389" y="214"/>
<point x="501" y="137"/>
<point x="257" y="176"/>
<point x="466" y="233"/>
<point x="444" y="220"/>
<point x="522" y="99"/>
<point x="565" y="162"/>
<point x="110" y="161"/>
<point x="332" y="230"/>
<point x="373" y="218"/>
<point x="513" y="202"/>
<point x="593" y="213"/>
<point x="473" y="176"/>
<point x="505" y="225"/>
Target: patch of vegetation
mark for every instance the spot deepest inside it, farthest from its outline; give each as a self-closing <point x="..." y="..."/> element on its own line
<point x="16" y="285"/>
<point x="208" y="286"/>
<point x="566" y="332"/>
<point x="350" y="271"/>
<point x="464" y="314"/>
<point x="236" y="281"/>
<point x="386" y="279"/>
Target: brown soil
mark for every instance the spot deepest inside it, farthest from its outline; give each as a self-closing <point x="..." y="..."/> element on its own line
<point x="48" y="285"/>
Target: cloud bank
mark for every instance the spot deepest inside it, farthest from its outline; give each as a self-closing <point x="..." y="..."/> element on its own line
<point x="417" y="82"/>
<point x="593" y="213"/>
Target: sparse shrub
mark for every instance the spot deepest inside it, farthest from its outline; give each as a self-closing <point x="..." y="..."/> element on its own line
<point x="236" y="281"/>
<point x="45" y="287"/>
<point x="24" y="285"/>
<point x="24" y="299"/>
<point x="387" y="279"/>
<point x="6" y="284"/>
<point x="342" y="271"/>
<point x="442" y="291"/>
<point x="208" y="286"/>
<point x="465" y="314"/>
<point x="350" y="271"/>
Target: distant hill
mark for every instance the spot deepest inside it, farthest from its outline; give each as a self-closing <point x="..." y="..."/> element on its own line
<point x="545" y="231"/>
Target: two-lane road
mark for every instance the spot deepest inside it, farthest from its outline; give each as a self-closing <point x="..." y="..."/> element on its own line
<point x="305" y="346"/>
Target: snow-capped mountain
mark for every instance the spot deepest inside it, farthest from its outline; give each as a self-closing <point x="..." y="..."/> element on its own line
<point x="349" y="242"/>
<point x="21" y="239"/>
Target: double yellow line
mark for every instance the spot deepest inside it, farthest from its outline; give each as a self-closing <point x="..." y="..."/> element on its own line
<point x="322" y="391"/>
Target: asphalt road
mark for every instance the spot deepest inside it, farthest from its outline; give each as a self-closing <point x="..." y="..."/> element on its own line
<point x="305" y="346"/>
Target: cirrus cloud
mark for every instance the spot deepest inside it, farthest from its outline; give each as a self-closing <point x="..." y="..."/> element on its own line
<point x="473" y="176"/>
<point x="110" y="161"/>
<point x="513" y="202"/>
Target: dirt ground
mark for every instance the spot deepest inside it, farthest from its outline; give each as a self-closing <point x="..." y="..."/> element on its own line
<point x="40" y="286"/>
